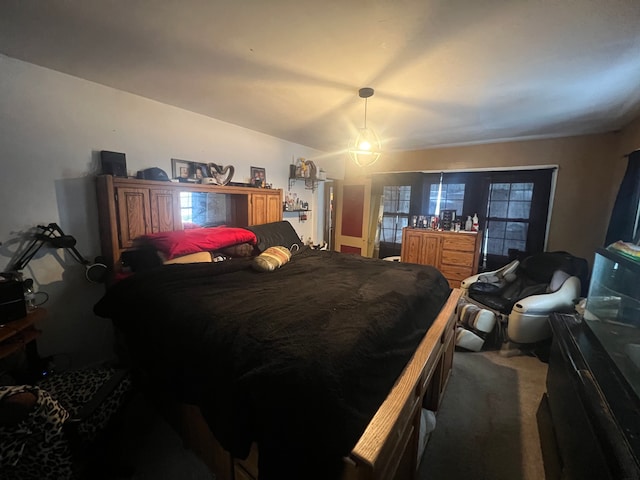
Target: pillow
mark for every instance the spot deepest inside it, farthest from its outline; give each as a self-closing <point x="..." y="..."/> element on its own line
<point x="239" y="250"/>
<point x="199" y="257"/>
<point x="16" y="402"/>
<point x="36" y="415"/>
<point x="183" y="242"/>
<point x="276" y="234"/>
<point x="144" y="257"/>
<point x="271" y="259"/>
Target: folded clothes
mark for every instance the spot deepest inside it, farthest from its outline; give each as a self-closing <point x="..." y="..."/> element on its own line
<point x="627" y="248"/>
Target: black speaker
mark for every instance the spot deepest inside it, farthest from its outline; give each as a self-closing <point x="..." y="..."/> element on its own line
<point x="113" y="163"/>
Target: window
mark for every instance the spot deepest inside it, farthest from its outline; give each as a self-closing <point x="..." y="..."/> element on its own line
<point x="395" y="216"/>
<point x="512" y="207"/>
<point x="446" y="196"/>
<point x="508" y="213"/>
<point x="515" y="217"/>
<point x="186" y="207"/>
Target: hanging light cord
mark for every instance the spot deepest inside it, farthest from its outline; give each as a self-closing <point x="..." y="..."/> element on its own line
<point x="365" y="112"/>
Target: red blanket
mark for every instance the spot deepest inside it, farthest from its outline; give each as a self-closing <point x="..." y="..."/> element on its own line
<point x="183" y="242"/>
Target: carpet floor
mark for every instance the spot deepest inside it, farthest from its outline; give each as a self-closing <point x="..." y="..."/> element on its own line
<point x="486" y="428"/>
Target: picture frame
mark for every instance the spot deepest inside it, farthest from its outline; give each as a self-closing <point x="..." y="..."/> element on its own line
<point x="258" y="177"/>
<point x="200" y="170"/>
<point x="180" y="169"/>
<point x="187" y="171"/>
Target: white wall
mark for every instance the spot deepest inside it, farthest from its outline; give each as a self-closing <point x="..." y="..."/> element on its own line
<point x="53" y="128"/>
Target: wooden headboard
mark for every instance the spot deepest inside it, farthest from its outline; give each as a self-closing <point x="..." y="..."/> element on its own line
<point x="129" y="208"/>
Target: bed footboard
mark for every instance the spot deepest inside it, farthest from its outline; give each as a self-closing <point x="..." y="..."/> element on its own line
<point x="388" y="449"/>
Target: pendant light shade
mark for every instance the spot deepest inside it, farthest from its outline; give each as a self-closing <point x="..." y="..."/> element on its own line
<point x="365" y="149"/>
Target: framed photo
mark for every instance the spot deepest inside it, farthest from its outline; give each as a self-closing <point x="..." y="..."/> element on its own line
<point x="186" y="171"/>
<point x="181" y="169"/>
<point x="200" y="170"/>
<point x="258" y="177"/>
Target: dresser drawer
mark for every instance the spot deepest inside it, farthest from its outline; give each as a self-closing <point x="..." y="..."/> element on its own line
<point x="451" y="272"/>
<point x="453" y="257"/>
<point x="461" y="242"/>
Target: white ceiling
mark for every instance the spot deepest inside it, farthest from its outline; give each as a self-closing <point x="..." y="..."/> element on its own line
<point x="444" y="71"/>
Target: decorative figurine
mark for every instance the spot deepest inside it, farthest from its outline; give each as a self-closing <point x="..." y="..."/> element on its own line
<point x="218" y="172"/>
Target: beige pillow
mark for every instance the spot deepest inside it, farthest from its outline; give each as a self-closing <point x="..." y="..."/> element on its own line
<point x="199" y="257"/>
<point x="271" y="259"/>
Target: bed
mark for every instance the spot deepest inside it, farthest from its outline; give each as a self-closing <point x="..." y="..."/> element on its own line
<point x="317" y="368"/>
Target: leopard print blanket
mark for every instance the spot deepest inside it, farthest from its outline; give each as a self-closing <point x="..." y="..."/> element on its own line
<point x="37" y="447"/>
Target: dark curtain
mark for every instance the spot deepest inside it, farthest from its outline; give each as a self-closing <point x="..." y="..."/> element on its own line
<point x="623" y="223"/>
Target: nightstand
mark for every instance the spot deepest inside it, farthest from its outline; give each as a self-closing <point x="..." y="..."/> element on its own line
<point x="20" y="334"/>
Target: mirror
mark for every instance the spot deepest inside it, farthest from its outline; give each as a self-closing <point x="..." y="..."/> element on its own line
<point x="205" y="209"/>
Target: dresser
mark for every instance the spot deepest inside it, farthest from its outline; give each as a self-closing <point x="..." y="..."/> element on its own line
<point x="455" y="254"/>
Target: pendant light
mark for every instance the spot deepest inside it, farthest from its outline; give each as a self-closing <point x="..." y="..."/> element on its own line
<point x="365" y="147"/>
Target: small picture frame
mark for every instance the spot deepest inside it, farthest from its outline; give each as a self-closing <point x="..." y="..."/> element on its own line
<point x="186" y="171"/>
<point x="200" y="170"/>
<point x="258" y="177"/>
<point x="181" y="169"/>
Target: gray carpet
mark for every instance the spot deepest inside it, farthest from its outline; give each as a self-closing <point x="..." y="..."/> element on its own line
<point x="486" y="428"/>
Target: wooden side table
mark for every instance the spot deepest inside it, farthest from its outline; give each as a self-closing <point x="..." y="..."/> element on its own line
<point x="20" y="334"/>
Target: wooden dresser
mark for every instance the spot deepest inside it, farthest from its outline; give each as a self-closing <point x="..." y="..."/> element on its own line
<point x="128" y="208"/>
<point x="455" y="254"/>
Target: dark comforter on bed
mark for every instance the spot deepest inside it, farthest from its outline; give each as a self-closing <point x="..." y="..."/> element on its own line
<point x="297" y="360"/>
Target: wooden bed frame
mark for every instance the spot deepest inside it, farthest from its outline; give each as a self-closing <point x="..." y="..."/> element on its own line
<point x="388" y="448"/>
<point x="128" y="208"/>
